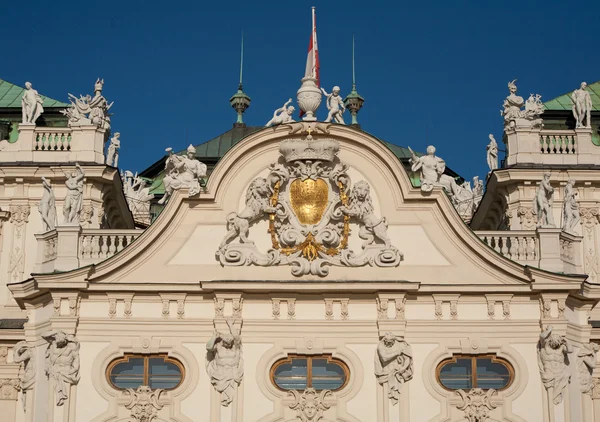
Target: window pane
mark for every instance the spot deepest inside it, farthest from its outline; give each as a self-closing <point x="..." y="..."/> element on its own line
<point x="457" y="375"/>
<point x="292" y="376"/>
<point x="327" y="376"/>
<point x="162" y="374"/>
<point x="491" y="375"/>
<point x="128" y="374"/>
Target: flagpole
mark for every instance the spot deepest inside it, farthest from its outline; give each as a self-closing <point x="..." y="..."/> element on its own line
<point x="314" y="55"/>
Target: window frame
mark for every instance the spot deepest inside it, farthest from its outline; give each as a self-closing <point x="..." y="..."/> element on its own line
<point x="146" y="375"/>
<point x="309" y="359"/>
<point x="493" y="357"/>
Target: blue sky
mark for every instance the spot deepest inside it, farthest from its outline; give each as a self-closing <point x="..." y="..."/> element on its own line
<point x="431" y="72"/>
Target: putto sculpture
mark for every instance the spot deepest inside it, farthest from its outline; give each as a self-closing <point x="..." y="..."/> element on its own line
<point x="586" y="362"/>
<point x="582" y="107"/>
<point x="492" y="154"/>
<point x="74" y="198"/>
<point x="310" y="204"/>
<point x="553" y="352"/>
<point x="309" y="405"/>
<point x="513" y="113"/>
<point x="31" y="105"/>
<point x="335" y="105"/>
<point x="47" y="206"/>
<point x="571" y="214"/>
<point x="112" y="154"/>
<point x="89" y="110"/>
<point x="182" y="172"/>
<point x="542" y="203"/>
<point x="62" y="362"/>
<point x="224" y="362"/>
<point x="282" y="115"/>
<point x="393" y="364"/>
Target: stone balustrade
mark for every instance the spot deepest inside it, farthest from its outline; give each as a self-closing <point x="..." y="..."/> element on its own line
<point x="546" y="248"/>
<point x="84" y="144"/>
<point x="70" y="246"/>
<point x="528" y="145"/>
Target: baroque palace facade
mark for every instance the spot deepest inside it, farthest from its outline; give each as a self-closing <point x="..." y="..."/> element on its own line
<point x="304" y="271"/>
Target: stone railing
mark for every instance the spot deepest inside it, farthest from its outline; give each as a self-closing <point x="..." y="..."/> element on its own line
<point x="522" y="246"/>
<point x="546" y="248"/>
<point x="56" y="145"/>
<point x="558" y="142"/>
<point x="527" y="145"/>
<point x="69" y="247"/>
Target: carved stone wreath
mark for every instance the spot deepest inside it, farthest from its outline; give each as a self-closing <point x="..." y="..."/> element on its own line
<point x="311" y="205"/>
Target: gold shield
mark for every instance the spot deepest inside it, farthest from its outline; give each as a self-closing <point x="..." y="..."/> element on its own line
<point x="309" y="199"/>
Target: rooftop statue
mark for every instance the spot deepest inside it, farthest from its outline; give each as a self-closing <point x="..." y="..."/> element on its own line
<point x="542" y="204"/>
<point x="62" y="362"/>
<point x="335" y="105"/>
<point x="492" y="154"/>
<point x="89" y="110"/>
<point x="112" y="154"/>
<point x="47" y="206"/>
<point x="137" y="193"/>
<point x="512" y="109"/>
<point x="282" y="115"/>
<point x="431" y="172"/>
<point x="74" y="197"/>
<point x="224" y="362"/>
<point x="31" y="105"/>
<point x="182" y="172"/>
<point x="571" y="214"/>
<point x="582" y="106"/>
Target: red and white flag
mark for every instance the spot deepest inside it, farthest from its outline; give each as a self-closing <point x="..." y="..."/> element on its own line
<point x="312" y="61"/>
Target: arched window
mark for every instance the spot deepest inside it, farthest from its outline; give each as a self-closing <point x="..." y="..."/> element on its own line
<point x="463" y="372"/>
<point x="321" y="372"/>
<point x="155" y="371"/>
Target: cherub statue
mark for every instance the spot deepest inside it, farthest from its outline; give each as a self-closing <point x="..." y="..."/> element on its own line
<point x="282" y="115"/>
<point x="62" y="362"/>
<point x="112" y="154"/>
<point x="335" y="105"/>
<point x="360" y="206"/>
<point x="224" y="362"/>
<point x="257" y="203"/>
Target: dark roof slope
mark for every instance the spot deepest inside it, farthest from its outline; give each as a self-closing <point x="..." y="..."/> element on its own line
<point x="11" y="94"/>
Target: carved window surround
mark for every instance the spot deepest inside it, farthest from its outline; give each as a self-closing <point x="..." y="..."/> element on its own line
<point x="475" y="346"/>
<point x="228" y="305"/>
<point x="144" y="345"/>
<point x="309" y="346"/>
<point x="309" y="358"/>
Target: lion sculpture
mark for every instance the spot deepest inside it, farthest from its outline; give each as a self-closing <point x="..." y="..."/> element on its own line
<point x="257" y="203"/>
<point x="360" y="206"/>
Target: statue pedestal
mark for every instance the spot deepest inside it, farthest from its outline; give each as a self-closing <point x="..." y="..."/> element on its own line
<point x="67" y="256"/>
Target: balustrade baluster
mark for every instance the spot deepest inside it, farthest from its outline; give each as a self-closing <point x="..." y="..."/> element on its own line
<point x="104" y="246"/>
<point x="504" y="250"/>
<point x="111" y="247"/>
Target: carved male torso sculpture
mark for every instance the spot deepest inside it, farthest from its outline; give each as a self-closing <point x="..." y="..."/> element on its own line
<point x="62" y="362"/>
<point x="393" y="364"/>
<point x="553" y="350"/>
<point x="31" y="104"/>
<point x="582" y="106"/>
<point x="543" y="201"/>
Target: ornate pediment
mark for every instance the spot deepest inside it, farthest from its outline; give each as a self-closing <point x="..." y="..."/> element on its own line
<point x="311" y="206"/>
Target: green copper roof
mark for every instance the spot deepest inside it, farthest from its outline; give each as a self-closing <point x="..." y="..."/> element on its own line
<point x="217" y="147"/>
<point x="11" y="94"/>
<point x="564" y="101"/>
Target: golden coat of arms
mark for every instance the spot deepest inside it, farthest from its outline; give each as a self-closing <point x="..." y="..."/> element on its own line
<point x="310" y="204"/>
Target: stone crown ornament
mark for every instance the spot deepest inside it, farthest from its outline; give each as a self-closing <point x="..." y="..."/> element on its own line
<point x="310" y="204"/>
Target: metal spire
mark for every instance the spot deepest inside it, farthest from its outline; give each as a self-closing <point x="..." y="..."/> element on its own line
<point x="240" y="101"/>
<point x="354" y="101"/>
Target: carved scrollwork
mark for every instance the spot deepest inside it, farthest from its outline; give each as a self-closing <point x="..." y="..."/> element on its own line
<point x="310" y="203"/>
<point x="143" y="403"/>
<point x="476" y="404"/>
<point x="309" y="405"/>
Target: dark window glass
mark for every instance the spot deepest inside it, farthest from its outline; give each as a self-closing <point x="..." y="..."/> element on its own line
<point x="154" y="371"/>
<point x="466" y="372"/>
<point x="318" y="372"/>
